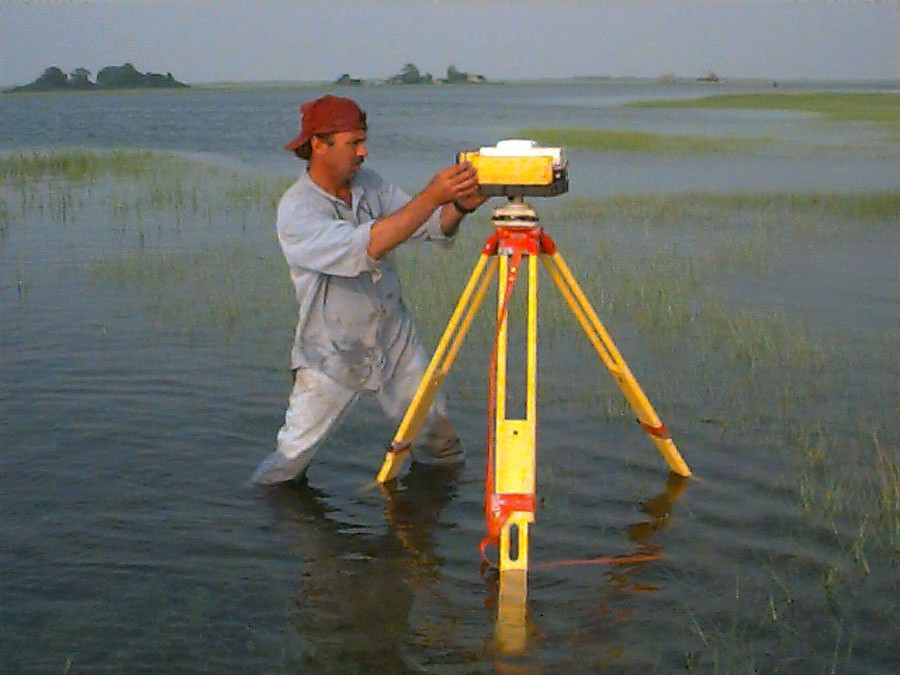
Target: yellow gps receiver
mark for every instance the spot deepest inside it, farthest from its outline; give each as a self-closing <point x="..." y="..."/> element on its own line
<point x="519" y="168"/>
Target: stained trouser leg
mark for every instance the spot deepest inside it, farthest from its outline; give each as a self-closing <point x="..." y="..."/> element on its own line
<point x="315" y="406"/>
<point x="436" y="442"/>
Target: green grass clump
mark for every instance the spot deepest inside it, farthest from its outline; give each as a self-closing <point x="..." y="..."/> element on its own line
<point x="700" y="207"/>
<point x="223" y="287"/>
<point x="80" y="165"/>
<point x="4" y="217"/>
<point x="133" y="184"/>
<point x="862" y="107"/>
<point x="612" y="140"/>
<point x="166" y="179"/>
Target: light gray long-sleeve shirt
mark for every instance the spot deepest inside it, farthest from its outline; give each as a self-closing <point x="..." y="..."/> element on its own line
<point x="353" y="325"/>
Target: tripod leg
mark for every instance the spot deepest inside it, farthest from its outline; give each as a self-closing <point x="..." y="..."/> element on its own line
<point x="515" y="454"/>
<point x="513" y="483"/>
<point x="614" y="362"/>
<point x="444" y="355"/>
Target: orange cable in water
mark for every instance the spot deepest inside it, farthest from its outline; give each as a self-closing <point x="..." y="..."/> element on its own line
<point x="610" y="560"/>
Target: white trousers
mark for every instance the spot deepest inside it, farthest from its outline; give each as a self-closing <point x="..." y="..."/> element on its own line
<point x="317" y="403"/>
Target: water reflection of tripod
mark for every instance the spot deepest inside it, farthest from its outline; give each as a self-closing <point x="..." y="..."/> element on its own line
<point x="510" y="480"/>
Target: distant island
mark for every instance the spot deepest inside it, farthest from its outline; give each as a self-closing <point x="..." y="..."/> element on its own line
<point x="410" y="74"/>
<point x="710" y="78"/>
<point x="125" y="76"/>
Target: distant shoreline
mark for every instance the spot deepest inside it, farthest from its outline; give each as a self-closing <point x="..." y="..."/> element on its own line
<point x="886" y="84"/>
<point x="580" y="79"/>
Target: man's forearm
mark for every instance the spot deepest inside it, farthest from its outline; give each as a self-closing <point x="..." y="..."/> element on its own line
<point x="450" y="184"/>
<point x="391" y="231"/>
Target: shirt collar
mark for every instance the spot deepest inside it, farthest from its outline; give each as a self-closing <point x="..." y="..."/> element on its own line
<point x="356" y="190"/>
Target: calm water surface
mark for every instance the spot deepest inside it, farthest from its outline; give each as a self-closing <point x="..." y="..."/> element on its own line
<point x="131" y="541"/>
<point x="411" y="130"/>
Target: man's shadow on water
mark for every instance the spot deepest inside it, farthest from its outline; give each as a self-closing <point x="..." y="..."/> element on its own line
<point x="355" y="588"/>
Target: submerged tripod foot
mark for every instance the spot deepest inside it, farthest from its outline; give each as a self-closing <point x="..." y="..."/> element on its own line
<point x="393" y="461"/>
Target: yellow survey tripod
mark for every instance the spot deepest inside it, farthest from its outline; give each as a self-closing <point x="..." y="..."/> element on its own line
<point x="510" y="481"/>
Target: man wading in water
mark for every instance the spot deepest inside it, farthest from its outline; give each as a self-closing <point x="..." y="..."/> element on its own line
<point x="338" y="226"/>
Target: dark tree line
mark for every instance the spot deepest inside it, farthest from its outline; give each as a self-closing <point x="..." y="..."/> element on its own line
<point x="410" y="74"/>
<point x="125" y="76"/>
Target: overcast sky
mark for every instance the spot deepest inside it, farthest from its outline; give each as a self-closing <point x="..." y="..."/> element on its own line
<point x="244" y="40"/>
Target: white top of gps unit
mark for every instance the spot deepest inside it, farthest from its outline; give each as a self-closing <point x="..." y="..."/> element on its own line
<point x="518" y="147"/>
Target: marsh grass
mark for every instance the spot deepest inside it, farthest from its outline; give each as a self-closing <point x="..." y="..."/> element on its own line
<point x="662" y="270"/>
<point x="839" y="106"/>
<point x="655" y="267"/>
<point x="133" y="182"/>
<point x="715" y="213"/>
<point x="664" y="273"/>
<point x="235" y="288"/>
<point x="658" y="270"/>
<point x="4" y="218"/>
<point x="607" y="140"/>
<point x="852" y="503"/>
<point x="879" y="108"/>
<point x="81" y="165"/>
<point x="760" y="632"/>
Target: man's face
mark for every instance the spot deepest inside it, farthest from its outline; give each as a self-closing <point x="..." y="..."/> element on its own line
<point x="344" y="155"/>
